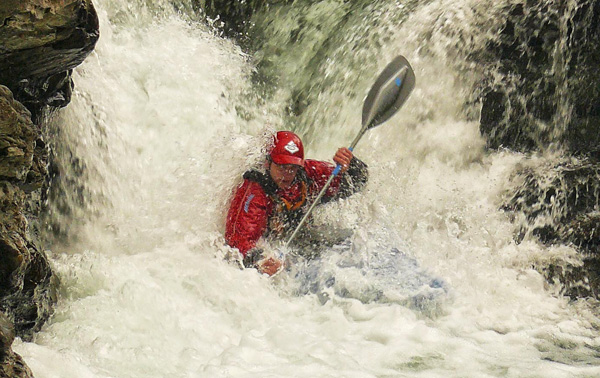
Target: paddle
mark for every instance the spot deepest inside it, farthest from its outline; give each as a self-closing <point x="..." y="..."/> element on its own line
<point x="386" y="97"/>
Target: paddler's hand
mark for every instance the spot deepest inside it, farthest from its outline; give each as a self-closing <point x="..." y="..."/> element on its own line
<point x="343" y="157"/>
<point x="269" y="266"/>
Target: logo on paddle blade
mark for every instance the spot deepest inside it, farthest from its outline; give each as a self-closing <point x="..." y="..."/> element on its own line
<point x="291" y="147"/>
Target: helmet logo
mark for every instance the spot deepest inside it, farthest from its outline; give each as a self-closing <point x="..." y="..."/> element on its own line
<point x="291" y="147"/>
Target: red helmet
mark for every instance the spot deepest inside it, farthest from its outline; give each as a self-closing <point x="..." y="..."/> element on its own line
<point x="287" y="149"/>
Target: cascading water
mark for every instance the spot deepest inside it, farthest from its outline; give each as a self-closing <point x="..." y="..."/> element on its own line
<point x="165" y="119"/>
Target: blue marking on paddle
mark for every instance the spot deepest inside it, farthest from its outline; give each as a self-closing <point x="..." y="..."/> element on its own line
<point x="398" y="81"/>
<point x="338" y="168"/>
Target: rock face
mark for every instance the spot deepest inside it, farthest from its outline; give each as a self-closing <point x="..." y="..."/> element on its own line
<point x="27" y="286"/>
<point x="41" y="41"/>
<point x="557" y="203"/>
<point x="24" y="271"/>
<point x="11" y="364"/>
<point x="548" y="54"/>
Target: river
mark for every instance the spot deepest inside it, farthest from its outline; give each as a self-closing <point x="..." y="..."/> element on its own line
<point x="165" y="118"/>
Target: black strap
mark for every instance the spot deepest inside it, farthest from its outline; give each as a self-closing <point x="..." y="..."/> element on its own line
<point x="291" y="218"/>
<point x="263" y="179"/>
<point x="267" y="183"/>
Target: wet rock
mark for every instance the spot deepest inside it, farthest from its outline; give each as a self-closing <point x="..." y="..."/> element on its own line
<point x="27" y="285"/>
<point x="17" y="139"/>
<point x="41" y="41"/>
<point x="11" y="364"/>
<point x="559" y="204"/>
<point x="548" y="54"/>
<point x="7" y="336"/>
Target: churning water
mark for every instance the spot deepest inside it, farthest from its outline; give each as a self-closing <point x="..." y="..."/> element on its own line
<point x="164" y="121"/>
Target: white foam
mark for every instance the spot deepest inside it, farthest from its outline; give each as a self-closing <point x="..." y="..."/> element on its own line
<point x="145" y="292"/>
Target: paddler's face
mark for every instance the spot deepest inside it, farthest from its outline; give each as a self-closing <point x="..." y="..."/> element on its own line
<point x="283" y="175"/>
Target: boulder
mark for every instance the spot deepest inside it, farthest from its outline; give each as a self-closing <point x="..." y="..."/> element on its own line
<point x="18" y="137"/>
<point x="557" y="203"/>
<point x="548" y="55"/>
<point x="41" y="41"/>
<point x="11" y="364"/>
<point x="26" y="293"/>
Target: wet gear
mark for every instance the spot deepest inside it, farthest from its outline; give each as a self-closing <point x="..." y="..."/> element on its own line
<point x="260" y="208"/>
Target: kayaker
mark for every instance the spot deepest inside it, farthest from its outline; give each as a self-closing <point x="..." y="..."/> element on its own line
<point x="270" y="203"/>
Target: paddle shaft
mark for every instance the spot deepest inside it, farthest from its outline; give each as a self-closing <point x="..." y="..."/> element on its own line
<point x="335" y="172"/>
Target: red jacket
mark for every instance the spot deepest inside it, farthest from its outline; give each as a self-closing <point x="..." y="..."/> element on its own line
<point x="254" y="203"/>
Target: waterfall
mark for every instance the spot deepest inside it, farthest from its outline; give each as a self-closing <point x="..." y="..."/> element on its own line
<point x="165" y="118"/>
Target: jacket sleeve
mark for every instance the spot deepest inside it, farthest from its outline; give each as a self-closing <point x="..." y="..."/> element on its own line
<point x="247" y="217"/>
<point x="344" y="185"/>
<point x="354" y="179"/>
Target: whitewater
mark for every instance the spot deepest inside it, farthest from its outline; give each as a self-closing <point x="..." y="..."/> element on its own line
<point x="165" y="122"/>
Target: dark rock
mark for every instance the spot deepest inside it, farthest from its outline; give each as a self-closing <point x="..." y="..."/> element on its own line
<point x="7" y="336"/>
<point x="38" y="93"/>
<point x="558" y="204"/>
<point x="17" y="138"/>
<point x="41" y="42"/>
<point x="548" y="54"/>
<point x="27" y="284"/>
<point x="11" y="364"/>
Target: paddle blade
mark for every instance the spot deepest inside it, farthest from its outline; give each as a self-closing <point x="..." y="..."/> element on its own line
<point x="388" y="94"/>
